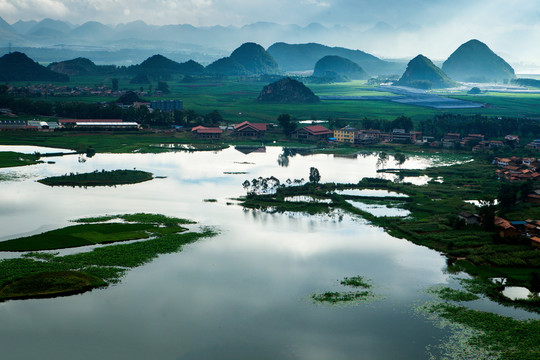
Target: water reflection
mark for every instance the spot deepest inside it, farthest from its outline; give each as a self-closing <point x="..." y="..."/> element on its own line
<point x="243" y="294"/>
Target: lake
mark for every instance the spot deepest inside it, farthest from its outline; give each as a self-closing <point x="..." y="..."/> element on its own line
<point x="243" y="294"/>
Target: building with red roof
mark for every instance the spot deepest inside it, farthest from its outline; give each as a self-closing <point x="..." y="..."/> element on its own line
<point x="202" y="132"/>
<point x="312" y="133"/>
<point x="252" y="130"/>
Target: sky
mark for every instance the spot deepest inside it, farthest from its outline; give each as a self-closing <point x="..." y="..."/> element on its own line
<point x="435" y="24"/>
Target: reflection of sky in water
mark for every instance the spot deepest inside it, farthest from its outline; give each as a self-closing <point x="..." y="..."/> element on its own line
<point x="379" y="210"/>
<point x="370" y="192"/>
<point x="244" y="294"/>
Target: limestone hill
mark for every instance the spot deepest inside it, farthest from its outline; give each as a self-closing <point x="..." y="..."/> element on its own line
<point x="287" y="91"/>
<point x="341" y="66"/>
<point x="17" y="66"/>
<point x="80" y="66"/>
<point x="422" y="73"/>
<point x="296" y="57"/>
<point x="474" y="61"/>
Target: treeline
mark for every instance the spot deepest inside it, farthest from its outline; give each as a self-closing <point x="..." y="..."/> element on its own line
<point x="527" y="82"/>
<point x="491" y="127"/>
<point x="79" y="110"/>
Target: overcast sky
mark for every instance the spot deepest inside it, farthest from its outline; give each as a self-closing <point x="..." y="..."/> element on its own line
<point x="439" y="24"/>
<point x="302" y="12"/>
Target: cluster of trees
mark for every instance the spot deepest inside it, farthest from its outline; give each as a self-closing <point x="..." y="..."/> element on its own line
<point x="491" y="127"/>
<point x="401" y="122"/>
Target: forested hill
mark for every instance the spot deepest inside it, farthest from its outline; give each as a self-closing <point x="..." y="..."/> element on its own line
<point x="17" y="66"/>
<point x="474" y="61"/>
<point x="296" y="57"/>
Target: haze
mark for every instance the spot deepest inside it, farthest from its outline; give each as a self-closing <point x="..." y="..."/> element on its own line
<point x="385" y="28"/>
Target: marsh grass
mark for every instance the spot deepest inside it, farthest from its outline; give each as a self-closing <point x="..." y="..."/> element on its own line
<point x="108" y="263"/>
<point x="13" y="159"/>
<point x="361" y="294"/>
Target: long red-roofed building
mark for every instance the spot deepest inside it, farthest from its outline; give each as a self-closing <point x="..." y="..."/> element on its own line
<point x="203" y="132"/>
<point x="247" y="129"/>
<point x="313" y="133"/>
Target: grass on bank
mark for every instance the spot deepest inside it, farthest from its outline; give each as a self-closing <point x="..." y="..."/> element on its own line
<point x="99" y="178"/>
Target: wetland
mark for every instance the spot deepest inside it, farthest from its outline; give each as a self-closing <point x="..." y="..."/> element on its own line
<point x="243" y="284"/>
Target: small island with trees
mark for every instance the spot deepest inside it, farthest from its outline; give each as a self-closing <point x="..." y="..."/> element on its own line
<point x="99" y="178"/>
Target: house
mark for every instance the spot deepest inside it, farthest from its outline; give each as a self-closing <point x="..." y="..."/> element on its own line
<point x="12" y="124"/>
<point x="511" y="139"/>
<point x="202" y="132"/>
<point x="470" y="219"/>
<point x="504" y="228"/>
<point x="251" y="130"/>
<point x="450" y="140"/>
<point x="105" y="125"/>
<point x="400" y="136"/>
<point x="72" y="122"/>
<point x="535" y="241"/>
<point x="346" y="134"/>
<point x="312" y="133"/>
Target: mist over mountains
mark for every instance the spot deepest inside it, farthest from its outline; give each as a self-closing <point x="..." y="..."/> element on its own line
<point x="130" y="43"/>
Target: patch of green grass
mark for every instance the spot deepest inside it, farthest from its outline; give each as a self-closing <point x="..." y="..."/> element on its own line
<point x="99" y="178"/>
<point x="79" y="235"/>
<point x="13" y="159"/>
<point x="356" y="281"/>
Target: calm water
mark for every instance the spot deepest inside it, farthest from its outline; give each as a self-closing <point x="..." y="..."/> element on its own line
<point x="244" y="294"/>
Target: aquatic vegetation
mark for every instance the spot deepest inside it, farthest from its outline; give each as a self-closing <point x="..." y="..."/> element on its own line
<point x="478" y="334"/>
<point x="108" y="263"/>
<point x="361" y="294"/>
<point x="99" y="178"/>
<point x="450" y="294"/>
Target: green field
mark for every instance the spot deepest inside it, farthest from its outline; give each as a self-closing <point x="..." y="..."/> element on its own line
<point x="235" y="100"/>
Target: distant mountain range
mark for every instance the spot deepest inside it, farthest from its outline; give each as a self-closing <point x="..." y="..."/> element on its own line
<point x="298" y="57"/>
<point x="472" y="61"/>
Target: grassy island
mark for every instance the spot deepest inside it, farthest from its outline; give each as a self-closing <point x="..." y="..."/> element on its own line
<point x="44" y="274"/>
<point x="12" y="159"/>
<point x="99" y="178"/>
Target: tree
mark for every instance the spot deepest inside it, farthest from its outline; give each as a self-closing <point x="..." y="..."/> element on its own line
<point x="114" y="84"/>
<point x="382" y="159"/>
<point x="403" y="122"/>
<point x="400" y="158"/>
<point x="486" y="211"/>
<point x="507" y="196"/>
<point x="163" y="87"/>
<point x="213" y="118"/>
<point x="314" y="175"/>
<point x="286" y="123"/>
